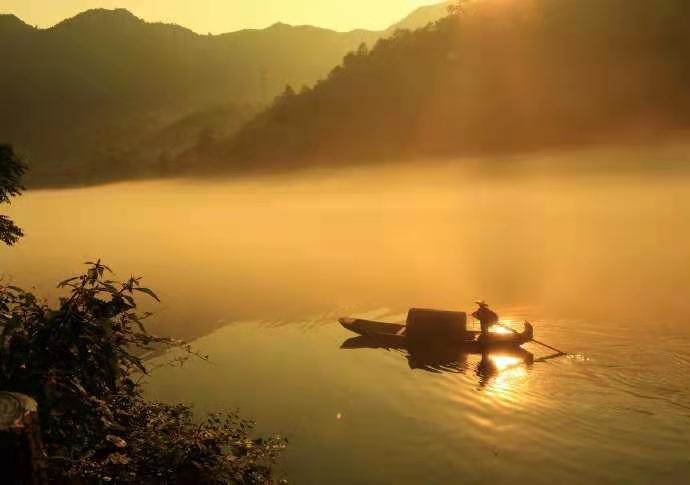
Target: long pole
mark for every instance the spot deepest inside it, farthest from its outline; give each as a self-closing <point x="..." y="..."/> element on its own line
<point x="533" y="340"/>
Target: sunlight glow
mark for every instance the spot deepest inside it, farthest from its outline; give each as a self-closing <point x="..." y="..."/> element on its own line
<point x="510" y="377"/>
<point x="503" y="362"/>
<point x="502" y="324"/>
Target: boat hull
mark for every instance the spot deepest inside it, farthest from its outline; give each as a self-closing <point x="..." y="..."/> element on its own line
<point x="394" y="336"/>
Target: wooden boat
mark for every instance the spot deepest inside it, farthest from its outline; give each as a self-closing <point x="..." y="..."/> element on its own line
<point x="395" y="336"/>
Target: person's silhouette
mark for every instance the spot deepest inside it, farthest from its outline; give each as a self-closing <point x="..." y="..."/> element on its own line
<point x="486" y="317"/>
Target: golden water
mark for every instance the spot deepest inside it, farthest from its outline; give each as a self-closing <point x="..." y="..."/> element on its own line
<point x="258" y="270"/>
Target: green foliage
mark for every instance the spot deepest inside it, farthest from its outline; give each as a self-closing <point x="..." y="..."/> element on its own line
<point x="82" y="362"/>
<point x="11" y="171"/>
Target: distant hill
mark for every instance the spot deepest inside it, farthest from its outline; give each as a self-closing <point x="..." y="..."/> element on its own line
<point x="154" y="155"/>
<point x="79" y="98"/>
<point x="497" y="77"/>
<point x="422" y="17"/>
<point x="11" y="25"/>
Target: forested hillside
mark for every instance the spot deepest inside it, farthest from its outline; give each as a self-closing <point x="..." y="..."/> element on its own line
<point x="86" y="99"/>
<point x="497" y="76"/>
<point x="75" y="96"/>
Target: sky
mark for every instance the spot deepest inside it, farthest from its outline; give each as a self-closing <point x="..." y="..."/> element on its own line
<point x="217" y="16"/>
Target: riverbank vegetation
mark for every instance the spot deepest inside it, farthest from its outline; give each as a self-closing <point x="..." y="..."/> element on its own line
<point x="81" y="360"/>
<point x="11" y="171"/>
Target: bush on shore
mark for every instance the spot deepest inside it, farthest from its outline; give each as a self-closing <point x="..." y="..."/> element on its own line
<point x="81" y="360"/>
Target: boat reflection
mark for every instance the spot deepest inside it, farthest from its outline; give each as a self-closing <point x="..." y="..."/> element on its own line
<point x="440" y="358"/>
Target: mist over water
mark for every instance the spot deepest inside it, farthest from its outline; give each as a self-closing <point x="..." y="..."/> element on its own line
<point x="611" y="245"/>
<point x="258" y="270"/>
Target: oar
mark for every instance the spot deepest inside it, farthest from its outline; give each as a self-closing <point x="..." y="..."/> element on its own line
<point x="533" y="340"/>
<point x="549" y="357"/>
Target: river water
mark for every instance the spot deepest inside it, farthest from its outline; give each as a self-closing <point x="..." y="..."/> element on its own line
<point x="256" y="272"/>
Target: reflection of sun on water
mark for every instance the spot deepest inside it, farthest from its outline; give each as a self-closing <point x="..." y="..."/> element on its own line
<point x="504" y="362"/>
<point x="511" y="373"/>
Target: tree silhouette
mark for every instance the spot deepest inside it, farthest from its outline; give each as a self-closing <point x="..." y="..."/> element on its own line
<point x="11" y="171"/>
<point x="457" y="8"/>
<point x="289" y="92"/>
<point x="487" y="80"/>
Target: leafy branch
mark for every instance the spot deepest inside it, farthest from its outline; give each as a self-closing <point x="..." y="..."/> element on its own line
<point x="83" y="362"/>
<point x="11" y="171"/>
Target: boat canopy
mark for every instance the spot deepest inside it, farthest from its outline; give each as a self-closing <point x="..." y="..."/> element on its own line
<point x="427" y="323"/>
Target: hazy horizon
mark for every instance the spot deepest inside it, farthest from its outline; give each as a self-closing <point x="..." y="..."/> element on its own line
<point x="220" y="16"/>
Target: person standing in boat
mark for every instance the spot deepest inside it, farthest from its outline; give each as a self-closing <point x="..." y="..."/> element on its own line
<point x="486" y="317"/>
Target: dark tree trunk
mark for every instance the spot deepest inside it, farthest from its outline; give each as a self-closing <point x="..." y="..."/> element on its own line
<point x="22" y="458"/>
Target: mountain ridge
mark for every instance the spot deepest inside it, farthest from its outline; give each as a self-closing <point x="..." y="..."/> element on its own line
<point x="493" y="79"/>
<point x="421" y="17"/>
<point x="10" y="23"/>
<point x="118" y="79"/>
<point x="417" y="18"/>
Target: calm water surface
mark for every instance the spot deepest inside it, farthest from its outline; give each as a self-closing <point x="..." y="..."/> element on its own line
<point x="257" y="272"/>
